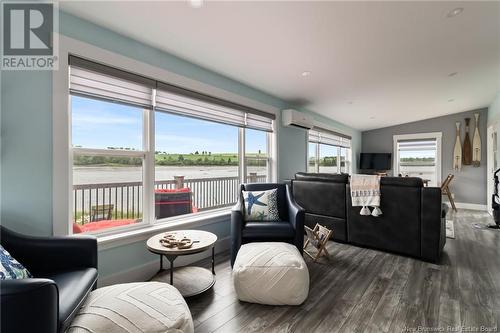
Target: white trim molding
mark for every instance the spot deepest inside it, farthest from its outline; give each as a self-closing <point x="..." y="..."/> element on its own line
<point x="470" y="206"/>
<point x="141" y="234"/>
<point x="432" y="135"/>
<point x="146" y="271"/>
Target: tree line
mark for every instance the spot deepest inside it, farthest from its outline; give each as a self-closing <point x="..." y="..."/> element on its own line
<point x="207" y="159"/>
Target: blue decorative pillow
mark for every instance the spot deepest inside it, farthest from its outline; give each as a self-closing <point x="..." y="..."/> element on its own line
<point x="10" y="268"/>
<point x="261" y="205"/>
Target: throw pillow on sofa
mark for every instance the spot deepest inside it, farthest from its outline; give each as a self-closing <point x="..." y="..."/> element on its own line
<point x="261" y="205"/>
<point x="10" y="268"/>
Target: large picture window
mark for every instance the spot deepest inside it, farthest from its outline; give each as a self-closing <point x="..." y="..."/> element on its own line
<point x="257" y="156"/>
<point x="108" y="160"/>
<point x="328" y="152"/>
<point x="196" y="165"/>
<point x="144" y="151"/>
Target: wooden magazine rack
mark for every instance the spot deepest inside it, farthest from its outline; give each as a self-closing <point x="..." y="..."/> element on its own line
<point x="317" y="237"/>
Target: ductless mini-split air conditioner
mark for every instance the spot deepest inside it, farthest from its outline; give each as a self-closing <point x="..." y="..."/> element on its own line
<point x="295" y="118"/>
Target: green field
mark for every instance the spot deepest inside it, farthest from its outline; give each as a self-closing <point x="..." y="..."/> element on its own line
<point x="327" y="161"/>
<point x="167" y="159"/>
<point x="196" y="159"/>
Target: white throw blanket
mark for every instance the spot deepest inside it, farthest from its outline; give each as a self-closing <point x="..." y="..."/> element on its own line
<point x="365" y="191"/>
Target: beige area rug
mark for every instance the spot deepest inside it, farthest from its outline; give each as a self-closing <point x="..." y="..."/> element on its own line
<point x="450" y="229"/>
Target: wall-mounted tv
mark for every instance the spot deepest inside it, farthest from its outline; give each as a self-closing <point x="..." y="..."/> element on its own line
<point x="375" y="161"/>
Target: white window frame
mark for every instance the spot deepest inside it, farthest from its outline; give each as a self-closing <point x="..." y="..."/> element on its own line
<point x="418" y="136"/>
<point x="147" y="172"/>
<point x="243" y="174"/>
<point x="63" y="152"/>
<point x="317" y="153"/>
<point x="348" y="160"/>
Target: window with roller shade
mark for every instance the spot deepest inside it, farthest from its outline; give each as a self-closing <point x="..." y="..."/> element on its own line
<point x="145" y="151"/>
<point x="328" y="152"/>
<point x="418" y="158"/>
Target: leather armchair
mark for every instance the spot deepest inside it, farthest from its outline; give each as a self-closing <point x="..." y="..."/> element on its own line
<point x="64" y="270"/>
<point x="290" y="229"/>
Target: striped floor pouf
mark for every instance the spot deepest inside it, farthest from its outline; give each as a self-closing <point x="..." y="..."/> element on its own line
<point x="134" y="308"/>
<point x="270" y="273"/>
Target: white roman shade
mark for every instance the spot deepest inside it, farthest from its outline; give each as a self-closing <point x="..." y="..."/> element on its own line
<point x="417" y="145"/>
<point x="259" y="122"/>
<point x="98" y="81"/>
<point x="91" y="79"/>
<point x="328" y="137"/>
<point x="187" y="106"/>
<point x="192" y="104"/>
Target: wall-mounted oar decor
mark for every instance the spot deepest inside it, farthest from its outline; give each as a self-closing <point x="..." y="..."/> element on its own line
<point x="457" y="151"/>
<point x="467" y="149"/>
<point x="476" y="144"/>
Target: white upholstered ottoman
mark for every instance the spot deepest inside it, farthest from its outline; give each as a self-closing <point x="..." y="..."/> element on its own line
<point x="270" y="273"/>
<point x="134" y="308"/>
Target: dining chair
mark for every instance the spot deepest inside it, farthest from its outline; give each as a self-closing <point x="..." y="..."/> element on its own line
<point x="445" y="190"/>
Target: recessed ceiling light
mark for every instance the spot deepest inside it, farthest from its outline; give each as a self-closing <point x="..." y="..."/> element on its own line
<point x="196" y="3"/>
<point x="455" y="12"/>
<point x="350" y="102"/>
<point x="452" y="74"/>
<point x="372" y="117"/>
<point x="305" y="73"/>
<point x="451" y="100"/>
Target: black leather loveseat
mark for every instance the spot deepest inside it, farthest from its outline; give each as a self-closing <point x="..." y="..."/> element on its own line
<point x="64" y="270"/>
<point x="412" y="223"/>
<point x="320" y="194"/>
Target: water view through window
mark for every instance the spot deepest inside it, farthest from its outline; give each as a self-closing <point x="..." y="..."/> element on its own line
<point x="331" y="159"/>
<point x="108" y="175"/>
<point x="196" y="164"/>
<point x="418" y="158"/>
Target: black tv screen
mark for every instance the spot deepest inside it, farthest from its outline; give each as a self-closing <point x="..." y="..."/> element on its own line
<point x="375" y="161"/>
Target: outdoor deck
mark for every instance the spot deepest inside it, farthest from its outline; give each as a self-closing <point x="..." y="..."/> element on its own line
<point x="124" y="200"/>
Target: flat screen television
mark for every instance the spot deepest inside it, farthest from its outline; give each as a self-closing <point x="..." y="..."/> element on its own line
<point x="375" y="161"/>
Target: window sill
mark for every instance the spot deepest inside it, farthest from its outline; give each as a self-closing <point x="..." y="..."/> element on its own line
<point x="142" y="234"/>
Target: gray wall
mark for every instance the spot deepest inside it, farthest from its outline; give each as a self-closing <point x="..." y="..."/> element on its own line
<point x="469" y="185"/>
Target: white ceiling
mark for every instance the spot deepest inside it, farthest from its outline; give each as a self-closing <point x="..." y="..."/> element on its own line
<point x="372" y="64"/>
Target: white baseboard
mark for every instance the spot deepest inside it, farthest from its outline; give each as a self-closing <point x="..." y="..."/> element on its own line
<point x="146" y="271"/>
<point x="463" y="205"/>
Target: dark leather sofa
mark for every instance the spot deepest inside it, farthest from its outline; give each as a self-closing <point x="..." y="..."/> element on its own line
<point x="318" y="194"/>
<point x="413" y="220"/>
<point x="290" y="229"/>
<point x="64" y="270"/>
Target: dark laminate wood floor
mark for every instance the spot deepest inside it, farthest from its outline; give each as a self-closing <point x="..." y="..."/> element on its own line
<point x="363" y="290"/>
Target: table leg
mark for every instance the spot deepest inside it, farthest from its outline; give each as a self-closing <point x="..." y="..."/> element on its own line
<point x="213" y="260"/>
<point x="171" y="260"/>
<point x="172" y="272"/>
<point x="161" y="262"/>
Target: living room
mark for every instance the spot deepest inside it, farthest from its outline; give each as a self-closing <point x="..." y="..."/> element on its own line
<point x="215" y="166"/>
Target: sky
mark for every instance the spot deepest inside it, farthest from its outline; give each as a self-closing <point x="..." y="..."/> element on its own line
<point x="99" y="124"/>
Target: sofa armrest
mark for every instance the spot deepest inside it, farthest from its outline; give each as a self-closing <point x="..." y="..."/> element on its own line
<point x="29" y="305"/>
<point x="49" y="254"/>
<point x="295" y="212"/>
<point x="237" y="212"/>
<point x="296" y="215"/>
<point x="236" y="229"/>
<point x="433" y="229"/>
